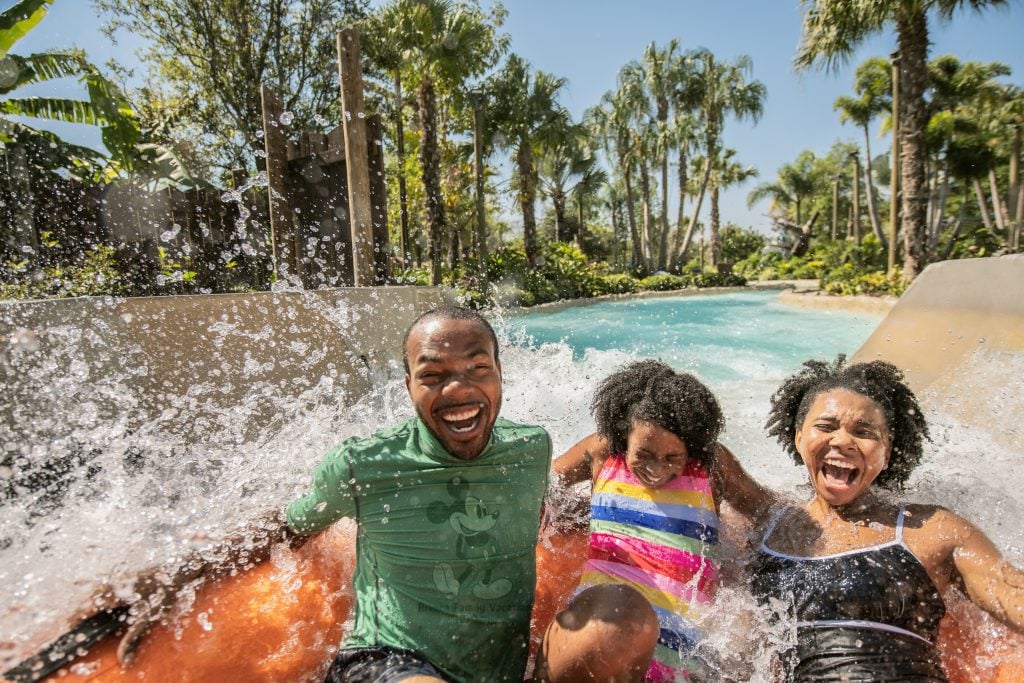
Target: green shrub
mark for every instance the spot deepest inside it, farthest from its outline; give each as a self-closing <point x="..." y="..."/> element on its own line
<point x="847" y="281"/>
<point x="618" y="283"/>
<point x="663" y="282"/>
<point x="95" y="274"/>
<point x="718" y="280"/>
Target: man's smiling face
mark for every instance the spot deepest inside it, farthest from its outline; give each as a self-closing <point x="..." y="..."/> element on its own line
<point x="455" y="382"/>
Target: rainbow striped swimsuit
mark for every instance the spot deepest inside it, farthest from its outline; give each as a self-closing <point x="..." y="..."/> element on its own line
<point x="657" y="541"/>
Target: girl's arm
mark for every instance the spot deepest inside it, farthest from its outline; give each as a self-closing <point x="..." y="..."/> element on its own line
<point x="582" y="461"/>
<point x="739" y="489"/>
<point x="992" y="583"/>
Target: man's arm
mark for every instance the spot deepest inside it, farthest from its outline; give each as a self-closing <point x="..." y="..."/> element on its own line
<point x="155" y="590"/>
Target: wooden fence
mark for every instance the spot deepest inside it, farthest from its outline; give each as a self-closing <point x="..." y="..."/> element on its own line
<point x="292" y="221"/>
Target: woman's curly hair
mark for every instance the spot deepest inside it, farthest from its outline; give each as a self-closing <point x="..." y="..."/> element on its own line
<point x="651" y="391"/>
<point x="879" y="381"/>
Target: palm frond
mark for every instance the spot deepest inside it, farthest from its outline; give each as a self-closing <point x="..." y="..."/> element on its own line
<point x="18" y="20"/>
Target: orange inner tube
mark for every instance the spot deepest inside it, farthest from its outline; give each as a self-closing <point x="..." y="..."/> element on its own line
<point x="282" y="620"/>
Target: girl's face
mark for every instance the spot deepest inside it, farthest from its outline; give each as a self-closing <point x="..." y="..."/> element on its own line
<point x="654" y="455"/>
<point x="844" y="441"/>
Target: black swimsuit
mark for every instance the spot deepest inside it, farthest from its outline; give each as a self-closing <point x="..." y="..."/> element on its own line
<point x="870" y="614"/>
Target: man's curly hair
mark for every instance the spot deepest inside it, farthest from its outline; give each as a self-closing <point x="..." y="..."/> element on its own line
<point x="879" y="381"/>
<point x="651" y="391"/>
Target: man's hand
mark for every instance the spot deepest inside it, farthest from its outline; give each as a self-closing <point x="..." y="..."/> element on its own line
<point x="152" y="596"/>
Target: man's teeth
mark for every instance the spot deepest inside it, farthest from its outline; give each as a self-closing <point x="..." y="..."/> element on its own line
<point x="462" y="419"/>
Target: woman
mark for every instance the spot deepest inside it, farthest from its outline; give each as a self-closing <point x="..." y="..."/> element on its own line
<point x="860" y="575"/>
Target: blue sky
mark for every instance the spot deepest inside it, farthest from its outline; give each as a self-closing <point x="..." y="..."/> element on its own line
<point x="588" y="42"/>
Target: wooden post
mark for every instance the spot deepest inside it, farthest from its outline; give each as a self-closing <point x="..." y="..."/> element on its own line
<point x="478" y="171"/>
<point x="356" y="161"/>
<point x="403" y="201"/>
<point x="894" y="166"/>
<point x="283" y="238"/>
<point x="835" y="206"/>
<point x="856" y="197"/>
<point x="379" y="200"/>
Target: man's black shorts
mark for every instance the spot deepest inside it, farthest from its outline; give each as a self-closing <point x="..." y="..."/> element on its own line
<point x="378" y="665"/>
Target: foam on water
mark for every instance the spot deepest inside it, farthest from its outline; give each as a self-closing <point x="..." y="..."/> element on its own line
<point x="145" y="496"/>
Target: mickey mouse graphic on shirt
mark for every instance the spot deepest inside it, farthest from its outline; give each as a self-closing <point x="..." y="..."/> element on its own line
<point x="469" y="517"/>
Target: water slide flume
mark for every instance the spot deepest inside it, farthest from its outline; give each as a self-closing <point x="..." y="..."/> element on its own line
<point x="281" y="620"/>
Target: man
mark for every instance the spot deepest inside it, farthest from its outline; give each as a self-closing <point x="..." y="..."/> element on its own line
<point x="448" y="508"/>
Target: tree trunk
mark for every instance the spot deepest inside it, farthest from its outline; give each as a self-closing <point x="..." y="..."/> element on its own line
<point x="940" y="214"/>
<point x="912" y="29"/>
<point x="1013" y="208"/>
<point x="663" y="242"/>
<point x="869" y="185"/>
<point x="986" y="218"/>
<point x="680" y="214"/>
<point x="430" y="159"/>
<point x="715" y="245"/>
<point x="527" y="200"/>
<point x="627" y="177"/>
<point x="696" y="208"/>
<point x="997" y="202"/>
<point x="558" y="201"/>
<point x="645" y="190"/>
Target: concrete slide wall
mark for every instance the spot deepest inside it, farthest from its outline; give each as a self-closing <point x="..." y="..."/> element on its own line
<point x="958" y="335"/>
<point x="191" y="360"/>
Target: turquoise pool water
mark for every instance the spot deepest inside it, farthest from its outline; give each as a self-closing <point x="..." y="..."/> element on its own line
<point x="721" y="337"/>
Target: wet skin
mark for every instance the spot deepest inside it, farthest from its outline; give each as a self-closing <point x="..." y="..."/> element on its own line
<point x="844" y="442"/>
<point x="654" y="455"/>
<point x="454" y="383"/>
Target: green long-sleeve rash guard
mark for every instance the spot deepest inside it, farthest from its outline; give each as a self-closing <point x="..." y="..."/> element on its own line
<point x="445" y="549"/>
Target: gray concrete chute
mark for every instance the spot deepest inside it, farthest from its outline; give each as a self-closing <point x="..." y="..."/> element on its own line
<point x="958" y="335"/>
<point x="195" y="369"/>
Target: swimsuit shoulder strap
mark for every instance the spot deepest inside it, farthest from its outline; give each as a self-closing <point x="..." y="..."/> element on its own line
<point x="772" y="523"/>
<point x="899" y="524"/>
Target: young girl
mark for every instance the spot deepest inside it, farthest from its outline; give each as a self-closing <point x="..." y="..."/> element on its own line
<point x="654" y="522"/>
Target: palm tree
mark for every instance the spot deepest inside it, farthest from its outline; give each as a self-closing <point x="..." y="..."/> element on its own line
<point x="591" y="181"/>
<point x="726" y="173"/>
<point x="612" y="122"/>
<point x="562" y="164"/>
<point x="660" y="70"/>
<point x="718" y="88"/>
<point x="107" y="107"/>
<point x="442" y="44"/>
<point x="832" y="29"/>
<point x="873" y="84"/>
<point x="526" y="117"/>
<point x="793" y="183"/>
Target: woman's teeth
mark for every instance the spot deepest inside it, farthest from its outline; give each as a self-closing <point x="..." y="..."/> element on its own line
<point x="838" y="472"/>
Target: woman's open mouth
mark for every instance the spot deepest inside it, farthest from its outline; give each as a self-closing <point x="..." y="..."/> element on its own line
<point x="839" y="473"/>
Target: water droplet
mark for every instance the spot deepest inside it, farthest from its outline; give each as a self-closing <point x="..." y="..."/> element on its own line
<point x="287" y="117"/>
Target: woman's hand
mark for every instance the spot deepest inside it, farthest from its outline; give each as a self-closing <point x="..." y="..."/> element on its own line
<point x="992" y="583"/>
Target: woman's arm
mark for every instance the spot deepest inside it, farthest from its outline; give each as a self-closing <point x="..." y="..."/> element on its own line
<point x="739" y="489"/>
<point x="992" y="583"/>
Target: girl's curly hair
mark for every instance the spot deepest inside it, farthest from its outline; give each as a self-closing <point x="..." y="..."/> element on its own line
<point x="879" y="381"/>
<point x="651" y="391"/>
